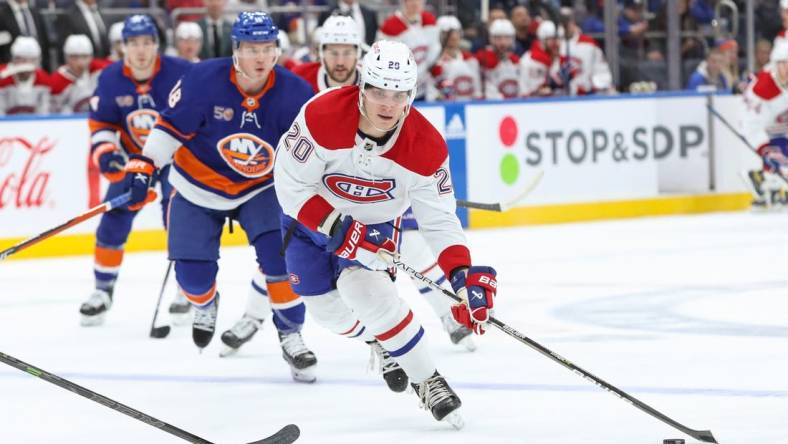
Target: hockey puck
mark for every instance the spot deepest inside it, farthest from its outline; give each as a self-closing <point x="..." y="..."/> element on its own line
<point x="160" y="332"/>
<point x="672" y="441"/>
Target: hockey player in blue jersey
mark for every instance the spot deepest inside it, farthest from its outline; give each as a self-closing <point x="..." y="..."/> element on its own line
<point x="220" y="128"/>
<point x="124" y="108"/>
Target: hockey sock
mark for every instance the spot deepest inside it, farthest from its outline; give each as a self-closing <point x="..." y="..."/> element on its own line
<point x="287" y="306"/>
<point x="197" y="280"/>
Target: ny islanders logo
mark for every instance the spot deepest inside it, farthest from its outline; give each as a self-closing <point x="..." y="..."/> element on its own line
<point x="247" y="154"/>
<point x="359" y="190"/>
<point x="140" y="124"/>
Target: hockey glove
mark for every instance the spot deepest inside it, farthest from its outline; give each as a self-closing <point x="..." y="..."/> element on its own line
<point x="110" y="160"/>
<point x="476" y="286"/>
<point x="140" y="170"/>
<point x="352" y="240"/>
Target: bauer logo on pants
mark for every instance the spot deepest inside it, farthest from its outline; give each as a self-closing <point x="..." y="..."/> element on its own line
<point x="247" y="154"/>
<point x="359" y="190"/>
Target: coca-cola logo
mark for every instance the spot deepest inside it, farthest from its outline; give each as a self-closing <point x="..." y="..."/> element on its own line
<point x="23" y="181"/>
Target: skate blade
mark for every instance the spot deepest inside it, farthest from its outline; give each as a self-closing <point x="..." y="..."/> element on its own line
<point x="92" y="321"/>
<point x="455" y="419"/>
<point x="227" y="352"/>
<point x="305" y="375"/>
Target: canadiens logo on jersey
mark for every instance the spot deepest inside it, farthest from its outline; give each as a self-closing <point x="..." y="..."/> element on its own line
<point x="463" y="85"/>
<point x="509" y="88"/>
<point x="247" y="154"/>
<point x="359" y="190"/>
<point x="140" y="123"/>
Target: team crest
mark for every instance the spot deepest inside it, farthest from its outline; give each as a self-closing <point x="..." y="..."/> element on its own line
<point x="359" y="190"/>
<point x="463" y="85"/>
<point x="140" y="124"/>
<point x="247" y="154"/>
<point x="509" y="88"/>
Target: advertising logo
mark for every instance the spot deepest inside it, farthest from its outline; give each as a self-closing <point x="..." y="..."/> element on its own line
<point x="23" y="183"/>
<point x="510" y="164"/>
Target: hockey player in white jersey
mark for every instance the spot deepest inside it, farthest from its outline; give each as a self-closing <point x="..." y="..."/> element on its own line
<point x="353" y="161"/>
<point x="73" y="83"/>
<point x="539" y="67"/>
<point x="456" y="73"/>
<point x="581" y="55"/>
<point x="24" y="86"/>
<point x="417" y="29"/>
<point x="499" y="64"/>
<point x="765" y="126"/>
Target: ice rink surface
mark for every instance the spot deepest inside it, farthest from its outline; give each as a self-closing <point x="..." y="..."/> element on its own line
<point x="688" y="314"/>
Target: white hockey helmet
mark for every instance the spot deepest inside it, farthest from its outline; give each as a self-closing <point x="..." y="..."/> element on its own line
<point x="78" y="45"/>
<point x="284" y="41"/>
<point x="389" y="65"/>
<point x="339" y="30"/>
<point x="448" y="23"/>
<point x="501" y="27"/>
<point x="188" y="30"/>
<point x="116" y="32"/>
<point x="784" y="4"/>
<point x="26" y="47"/>
<point x="546" y="30"/>
<point x="780" y="53"/>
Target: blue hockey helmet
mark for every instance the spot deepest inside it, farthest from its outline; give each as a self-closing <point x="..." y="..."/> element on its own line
<point x="254" y="27"/>
<point x="137" y="25"/>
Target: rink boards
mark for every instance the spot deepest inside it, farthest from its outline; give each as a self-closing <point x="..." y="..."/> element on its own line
<point x="602" y="158"/>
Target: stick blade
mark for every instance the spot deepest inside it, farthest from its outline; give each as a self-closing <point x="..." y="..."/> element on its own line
<point x="286" y="435"/>
<point x="704" y="435"/>
<point x="160" y="332"/>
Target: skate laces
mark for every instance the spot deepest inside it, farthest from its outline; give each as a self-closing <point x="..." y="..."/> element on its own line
<point x="432" y="391"/>
<point x="293" y="344"/>
<point x="246" y="326"/>
<point x="205" y="317"/>
<point x="380" y="360"/>
<point x="99" y="298"/>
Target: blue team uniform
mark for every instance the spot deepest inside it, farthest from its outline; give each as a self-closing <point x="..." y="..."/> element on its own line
<point x="123" y="111"/>
<point x="224" y="170"/>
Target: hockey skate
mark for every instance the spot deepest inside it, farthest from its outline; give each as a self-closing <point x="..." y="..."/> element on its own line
<point x="301" y="360"/>
<point x="204" y="324"/>
<point x="436" y="396"/>
<point x="755" y="180"/>
<point x="458" y="333"/>
<point x="393" y="374"/>
<point x="95" y="308"/>
<point x="180" y="309"/>
<point x="240" y="333"/>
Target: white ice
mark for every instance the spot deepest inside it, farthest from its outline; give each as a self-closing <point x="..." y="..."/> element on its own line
<point x="688" y="314"/>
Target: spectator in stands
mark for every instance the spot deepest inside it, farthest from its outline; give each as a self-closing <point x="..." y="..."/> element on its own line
<point x="632" y="28"/>
<point x="496" y="12"/>
<point x="188" y="41"/>
<point x="582" y="60"/>
<point x="730" y="69"/>
<point x="216" y="31"/>
<point x="540" y="67"/>
<point x="73" y="83"/>
<point x="116" y="41"/>
<point x="709" y="76"/>
<point x="24" y="86"/>
<point x="691" y="47"/>
<point x="763" y="51"/>
<point x="456" y="72"/>
<point x="702" y="11"/>
<point x="417" y="29"/>
<point x="17" y="18"/>
<point x="499" y="64"/>
<point x="525" y="29"/>
<point x="365" y="18"/>
<point x="84" y="17"/>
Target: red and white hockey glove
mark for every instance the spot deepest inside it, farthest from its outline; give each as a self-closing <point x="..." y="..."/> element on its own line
<point x="352" y="240"/>
<point x="476" y="286"/>
<point x="139" y="178"/>
<point x="110" y="160"/>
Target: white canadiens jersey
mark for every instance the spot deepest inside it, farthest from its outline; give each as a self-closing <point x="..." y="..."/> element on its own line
<point x="536" y="67"/>
<point x="462" y="75"/>
<point x="31" y="96"/>
<point x="323" y="167"/>
<point x="70" y="93"/>
<point x="591" y="72"/>
<point x="421" y="37"/>
<point x="766" y="112"/>
<point x="500" y="75"/>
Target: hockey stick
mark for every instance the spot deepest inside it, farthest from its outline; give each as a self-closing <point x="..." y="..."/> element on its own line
<point x="740" y="136"/>
<point x="95" y="211"/>
<point x="701" y="435"/>
<point x="164" y="330"/>
<point x="503" y="206"/>
<point x="286" y="435"/>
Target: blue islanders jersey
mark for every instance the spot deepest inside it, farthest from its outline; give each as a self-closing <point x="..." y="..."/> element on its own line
<point x="227" y="136"/>
<point x="123" y="110"/>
